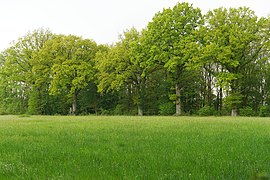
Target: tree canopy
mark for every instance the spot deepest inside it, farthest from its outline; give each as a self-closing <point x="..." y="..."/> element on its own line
<point x="182" y="62"/>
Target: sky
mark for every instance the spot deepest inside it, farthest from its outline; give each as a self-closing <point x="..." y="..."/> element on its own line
<point x="100" y="20"/>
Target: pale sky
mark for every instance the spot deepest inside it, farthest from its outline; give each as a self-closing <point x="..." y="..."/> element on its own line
<point x="100" y="20"/>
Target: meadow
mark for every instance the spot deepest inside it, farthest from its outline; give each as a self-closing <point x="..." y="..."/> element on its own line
<point x="126" y="147"/>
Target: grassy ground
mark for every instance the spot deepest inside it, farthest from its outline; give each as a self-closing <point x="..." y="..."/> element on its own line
<point x="133" y="147"/>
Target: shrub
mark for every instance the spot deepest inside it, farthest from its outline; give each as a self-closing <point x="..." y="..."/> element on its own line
<point x="104" y="112"/>
<point x="24" y="115"/>
<point x="166" y="109"/>
<point x="246" y="111"/>
<point x="206" y="111"/>
<point x="119" y="109"/>
<point x="3" y="111"/>
<point x="264" y="111"/>
<point x="225" y="112"/>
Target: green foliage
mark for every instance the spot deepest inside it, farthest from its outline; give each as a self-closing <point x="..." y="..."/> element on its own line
<point x="220" y="59"/>
<point x="167" y="108"/>
<point x="116" y="65"/>
<point x="206" y="111"/>
<point x="172" y="35"/>
<point x="72" y="61"/>
<point x="233" y="40"/>
<point x="172" y="40"/>
<point x="68" y="61"/>
<point x="233" y="101"/>
<point x="246" y="111"/>
<point x="104" y="112"/>
<point x="33" y="106"/>
<point x="264" y="111"/>
<point x="123" y="67"/>
<point x="261" y="176"/>
<point x="24" y="115"/>
<point x="17" y="80"/>
<point x="119" y="109"/>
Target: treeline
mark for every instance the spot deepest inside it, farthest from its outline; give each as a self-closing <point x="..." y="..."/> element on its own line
<point x="182" y="63"/>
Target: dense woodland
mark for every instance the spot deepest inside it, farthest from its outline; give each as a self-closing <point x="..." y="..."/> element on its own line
<point x="182" y="63"/>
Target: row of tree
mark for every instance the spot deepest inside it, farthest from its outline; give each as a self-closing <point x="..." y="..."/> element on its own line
<point x="183" y="62"/>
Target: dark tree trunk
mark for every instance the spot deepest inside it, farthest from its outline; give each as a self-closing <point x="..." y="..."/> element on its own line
<point x="234" y="93"/>
<point x="220" y="99"/>
<point x="178" y="100"/>
<point x="141" y="94"/>
<point x="209" y="90"/>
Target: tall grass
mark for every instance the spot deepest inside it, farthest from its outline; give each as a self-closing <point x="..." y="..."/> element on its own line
<point x="122" y="147"/>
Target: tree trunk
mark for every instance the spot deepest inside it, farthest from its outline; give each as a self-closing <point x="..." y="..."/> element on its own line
<point x="74" y="104"/>
<point x="141" y="94"/>
<point x="234" y="112"/>
<point x="178" y="100"/>
<point x="209" y="90"/>
<point x="140" y="110"/>
<point x="235" y="98"/>
<point x="220" y="99"/>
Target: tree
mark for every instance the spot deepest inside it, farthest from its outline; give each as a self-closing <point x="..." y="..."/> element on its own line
<point x="173" y="41"/>
<point x="233" y="41"/>
<point x="18" y="61"/>
<point x="68" y="63"/>
<point x="122" y="68"/>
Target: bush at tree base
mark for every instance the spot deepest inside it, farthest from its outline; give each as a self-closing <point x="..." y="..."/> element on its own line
<point x="206" y="111"/>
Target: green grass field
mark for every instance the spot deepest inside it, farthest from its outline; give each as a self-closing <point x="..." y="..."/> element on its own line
<point x="122" y="147"/>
